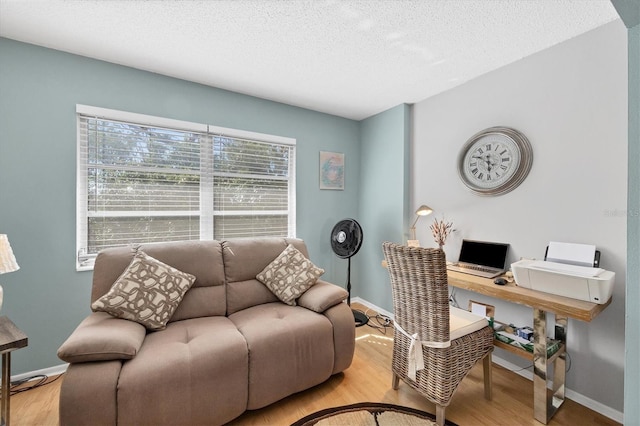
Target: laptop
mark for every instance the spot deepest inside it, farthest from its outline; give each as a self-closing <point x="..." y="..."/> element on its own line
<point x="481" y="258"/>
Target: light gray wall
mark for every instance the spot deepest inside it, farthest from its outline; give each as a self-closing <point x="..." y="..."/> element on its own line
<point x="39" y="89"/>
<point x="571" y="102"/>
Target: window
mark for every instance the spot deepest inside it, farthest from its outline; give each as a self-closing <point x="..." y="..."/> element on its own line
<point x="147" y="179"/>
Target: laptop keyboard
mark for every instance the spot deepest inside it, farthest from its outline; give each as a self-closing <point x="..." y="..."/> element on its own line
<point x="476" y="268"/>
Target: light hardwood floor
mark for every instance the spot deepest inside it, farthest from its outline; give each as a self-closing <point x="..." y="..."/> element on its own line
<point x="368" y="379"/>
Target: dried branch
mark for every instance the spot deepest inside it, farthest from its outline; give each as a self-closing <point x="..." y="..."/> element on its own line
<point x="440" y="231"/>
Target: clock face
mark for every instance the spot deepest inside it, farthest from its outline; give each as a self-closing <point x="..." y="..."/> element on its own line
<point x="495" y="161"/>
<point x="491" y="160"/>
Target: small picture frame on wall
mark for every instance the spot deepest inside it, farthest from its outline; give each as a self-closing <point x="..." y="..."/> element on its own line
<point x="331" y="170"/>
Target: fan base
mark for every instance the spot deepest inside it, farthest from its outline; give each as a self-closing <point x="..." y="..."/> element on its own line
<point x="360" y="317"/>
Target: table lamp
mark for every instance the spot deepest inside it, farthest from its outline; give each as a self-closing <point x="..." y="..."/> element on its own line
<point x="423" y="210"/>
<point x="7" y="260"/>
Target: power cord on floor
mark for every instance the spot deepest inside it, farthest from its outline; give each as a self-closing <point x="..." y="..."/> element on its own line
<point x="378" y="321"/>
<point x="24" y="385"/>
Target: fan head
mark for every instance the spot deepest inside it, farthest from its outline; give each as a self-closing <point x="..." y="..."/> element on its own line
<point x="346" y="238"/>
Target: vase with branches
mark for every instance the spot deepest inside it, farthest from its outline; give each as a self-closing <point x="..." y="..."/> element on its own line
<point x="440" y="229"/>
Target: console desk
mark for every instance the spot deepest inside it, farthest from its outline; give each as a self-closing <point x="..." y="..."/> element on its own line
<point x="11" y="338"/>
<point x="544" y="404"/>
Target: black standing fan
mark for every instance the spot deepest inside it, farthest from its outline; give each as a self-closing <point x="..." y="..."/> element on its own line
<point x="346" y="240"/>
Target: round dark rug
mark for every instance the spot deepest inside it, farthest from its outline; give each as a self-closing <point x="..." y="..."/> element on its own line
<point x="370" y="413"/>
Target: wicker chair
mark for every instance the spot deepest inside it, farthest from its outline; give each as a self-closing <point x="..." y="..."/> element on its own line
<point x="452" y="340"/>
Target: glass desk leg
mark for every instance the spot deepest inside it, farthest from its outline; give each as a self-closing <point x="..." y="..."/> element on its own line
<point x="545" y="405"/>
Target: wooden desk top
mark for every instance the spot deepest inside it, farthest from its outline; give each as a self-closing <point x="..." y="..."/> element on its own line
<point x="11" y="337"/>
<point x="572" y="308"/>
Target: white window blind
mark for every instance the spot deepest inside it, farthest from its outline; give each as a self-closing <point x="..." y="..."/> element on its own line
<point x="252" y="191"/>
<point x="146" y="179"/>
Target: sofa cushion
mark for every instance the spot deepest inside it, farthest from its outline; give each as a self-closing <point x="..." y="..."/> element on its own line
<point x="148" y="292"/>
<point x="102" y="337"/>
<point x="203" y="259"/>
<point x="245" y="294"/>
<point x="289" y="275"/>
<point x="195" y="372"/>
<point x="291" y="349"/>
<point x="244" y="258"/>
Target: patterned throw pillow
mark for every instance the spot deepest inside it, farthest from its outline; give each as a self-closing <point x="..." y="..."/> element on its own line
<point x="147" y="292"/>
<point x="290" y="275"/>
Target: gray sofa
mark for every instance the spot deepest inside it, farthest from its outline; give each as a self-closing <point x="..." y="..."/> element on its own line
<point x="230" y="346"/>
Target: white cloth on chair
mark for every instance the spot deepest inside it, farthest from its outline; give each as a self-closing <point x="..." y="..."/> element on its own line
<point x="415" y="359"/>
<point x="461" y="322"/>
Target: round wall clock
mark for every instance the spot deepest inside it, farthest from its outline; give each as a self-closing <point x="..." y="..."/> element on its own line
<point x="495" y="161"/>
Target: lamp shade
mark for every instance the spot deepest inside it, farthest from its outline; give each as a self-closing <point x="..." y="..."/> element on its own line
<point x="424" y="210"/>
<point x="7" y="259"/>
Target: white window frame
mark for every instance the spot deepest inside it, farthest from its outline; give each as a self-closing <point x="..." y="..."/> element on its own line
<point x="207" y="209"/>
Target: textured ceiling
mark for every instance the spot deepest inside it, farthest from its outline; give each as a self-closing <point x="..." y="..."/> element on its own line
<point x="348" y="58"/>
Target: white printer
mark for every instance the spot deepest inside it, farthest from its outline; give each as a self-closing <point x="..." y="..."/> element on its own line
<point x="566" y="275"/>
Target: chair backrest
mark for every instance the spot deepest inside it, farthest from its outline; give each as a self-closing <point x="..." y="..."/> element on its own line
<point x="420" y="290"/>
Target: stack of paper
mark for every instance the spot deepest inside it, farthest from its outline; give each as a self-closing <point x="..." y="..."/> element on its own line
<point x="573" y="254"/>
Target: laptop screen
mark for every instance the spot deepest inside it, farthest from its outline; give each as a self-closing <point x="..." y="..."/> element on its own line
<point x="484" y="253"/>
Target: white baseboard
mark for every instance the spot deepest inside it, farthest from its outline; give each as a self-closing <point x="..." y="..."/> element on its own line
<point x="51" y="371"/>
<point x="574" y="396"/>
<point x="372" y="306"/>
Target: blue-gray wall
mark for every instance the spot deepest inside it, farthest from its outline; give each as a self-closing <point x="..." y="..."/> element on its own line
<point x="39" y="89"/>
<point x="632" y="335"/>
<point x="384" y="198"/>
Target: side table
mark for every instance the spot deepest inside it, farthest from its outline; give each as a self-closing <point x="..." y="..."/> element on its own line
<point x="11" y="338"/>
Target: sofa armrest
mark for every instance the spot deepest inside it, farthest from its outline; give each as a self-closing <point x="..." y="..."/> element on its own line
<point x="321" y="296"/>
<point x="88" y="394"/>
<point x="101" y="337"/>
